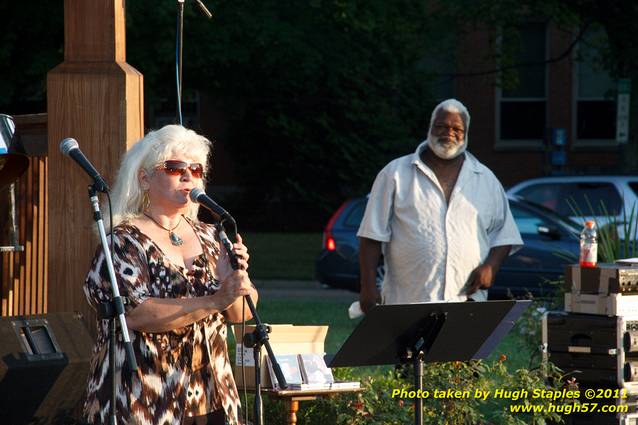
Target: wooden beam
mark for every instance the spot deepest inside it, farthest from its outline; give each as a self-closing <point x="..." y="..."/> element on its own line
<point x="95" y="97"/>
<point x="94" y="31"/>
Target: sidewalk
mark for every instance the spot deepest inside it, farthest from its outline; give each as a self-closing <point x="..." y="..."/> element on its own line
<point x="301" y="288"/>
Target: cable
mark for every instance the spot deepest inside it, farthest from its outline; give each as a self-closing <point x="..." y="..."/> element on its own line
<point x="179" y="40"/>
<point x="108" y="196"/>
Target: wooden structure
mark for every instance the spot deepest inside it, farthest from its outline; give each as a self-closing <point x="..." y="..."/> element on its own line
<point x="23" y="274"/>
<point x="95" y="97"/>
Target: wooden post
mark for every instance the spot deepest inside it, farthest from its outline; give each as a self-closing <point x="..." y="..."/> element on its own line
<point x="293" y="408"/>
<point x="95" y="97"/>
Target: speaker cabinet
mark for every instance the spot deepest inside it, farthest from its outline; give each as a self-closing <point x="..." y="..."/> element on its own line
<point x="44" y="364"/>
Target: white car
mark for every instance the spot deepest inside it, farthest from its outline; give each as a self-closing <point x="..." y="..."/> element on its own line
<point x="587" y="194"/>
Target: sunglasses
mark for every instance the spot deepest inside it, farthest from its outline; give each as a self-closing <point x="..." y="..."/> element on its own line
<point x="178" y="168"/>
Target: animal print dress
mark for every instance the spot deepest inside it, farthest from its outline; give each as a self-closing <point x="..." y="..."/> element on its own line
<point x="182" y="373"/>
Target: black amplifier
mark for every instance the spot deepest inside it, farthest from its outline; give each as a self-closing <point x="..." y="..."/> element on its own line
<point x="594" y="349"/>
<point x="625" y="411"/>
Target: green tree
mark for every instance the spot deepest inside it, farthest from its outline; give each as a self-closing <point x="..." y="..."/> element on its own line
<point x="319" y="94"/>
<point x="31" y="43"/>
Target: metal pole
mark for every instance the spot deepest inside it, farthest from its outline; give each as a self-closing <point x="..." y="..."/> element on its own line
<point x="418" y="384"/>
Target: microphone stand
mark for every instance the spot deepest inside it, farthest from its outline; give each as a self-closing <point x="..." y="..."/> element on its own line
<point x="112" y="309"/>
<point x="259" y="337"/>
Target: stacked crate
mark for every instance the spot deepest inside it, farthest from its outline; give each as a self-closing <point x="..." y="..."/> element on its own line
<point x="596" y="339"/>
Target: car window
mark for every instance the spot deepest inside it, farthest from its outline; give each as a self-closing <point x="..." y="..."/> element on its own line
<point x="526" y="222"/>
<point x="355" y="215"/>
<point x="552" y="216"/>
<point x="547" y="195"/>
<point x="634" y="187"/>
<point x="585" y="196"/>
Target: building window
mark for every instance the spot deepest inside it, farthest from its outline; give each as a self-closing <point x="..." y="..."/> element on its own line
<point x="595" y="93"/>
<point x="522" y="96"/>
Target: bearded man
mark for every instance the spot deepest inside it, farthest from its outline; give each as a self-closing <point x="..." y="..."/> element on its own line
<point x="440" y="218"/>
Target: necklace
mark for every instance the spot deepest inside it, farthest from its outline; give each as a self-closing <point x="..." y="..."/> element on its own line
<point x="175" y="239"/>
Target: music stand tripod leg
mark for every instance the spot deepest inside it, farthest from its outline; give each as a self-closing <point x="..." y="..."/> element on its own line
<point x="418" y="384"/>
<point x="416" y="352"/>
<point x="259" y="406"/>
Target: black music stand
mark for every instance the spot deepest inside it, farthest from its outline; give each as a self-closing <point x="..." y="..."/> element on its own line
<point x="428" y="332"/>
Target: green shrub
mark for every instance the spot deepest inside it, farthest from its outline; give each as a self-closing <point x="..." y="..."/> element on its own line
<point x="376" y="406"/>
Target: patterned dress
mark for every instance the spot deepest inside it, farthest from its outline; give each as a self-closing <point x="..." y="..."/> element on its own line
<point x="182" y="373"/>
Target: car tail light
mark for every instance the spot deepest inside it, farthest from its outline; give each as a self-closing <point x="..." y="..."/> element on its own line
<point x="328" y="238"/>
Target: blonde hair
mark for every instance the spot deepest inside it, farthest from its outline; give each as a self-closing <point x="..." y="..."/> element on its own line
<point x="157" y="146"/>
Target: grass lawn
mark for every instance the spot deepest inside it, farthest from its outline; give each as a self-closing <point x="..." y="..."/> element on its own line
<point x="283" y="255"/>
<point x="311" y="312"/>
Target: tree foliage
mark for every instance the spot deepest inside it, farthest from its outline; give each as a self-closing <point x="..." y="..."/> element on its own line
<point x="318" y="94"/>
<point x="31" y="44"/>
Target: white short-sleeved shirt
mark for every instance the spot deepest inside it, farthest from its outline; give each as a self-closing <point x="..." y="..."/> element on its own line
<point x="431" y="248"/>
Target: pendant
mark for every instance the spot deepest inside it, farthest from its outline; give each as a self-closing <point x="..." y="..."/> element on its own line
<point x="175" y="240"/>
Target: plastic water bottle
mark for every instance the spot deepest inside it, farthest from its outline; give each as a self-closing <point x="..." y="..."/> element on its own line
<point x="588" y="245"/>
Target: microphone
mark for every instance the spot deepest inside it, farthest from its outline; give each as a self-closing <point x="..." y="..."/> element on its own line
<point x="70" y="148"/>
<point x="199" y="196"/>
<point x="203" y="8"/>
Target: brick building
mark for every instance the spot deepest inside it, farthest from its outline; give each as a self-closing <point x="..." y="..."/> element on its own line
<point x="511" y="128"/>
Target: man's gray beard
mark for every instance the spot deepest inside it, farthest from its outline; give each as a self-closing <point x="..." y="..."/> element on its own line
<point x="445" y="152"/>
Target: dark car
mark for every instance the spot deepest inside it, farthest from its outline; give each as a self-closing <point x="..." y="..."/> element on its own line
<point x="551" y="241"/>
<point x="338" y="262"/>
